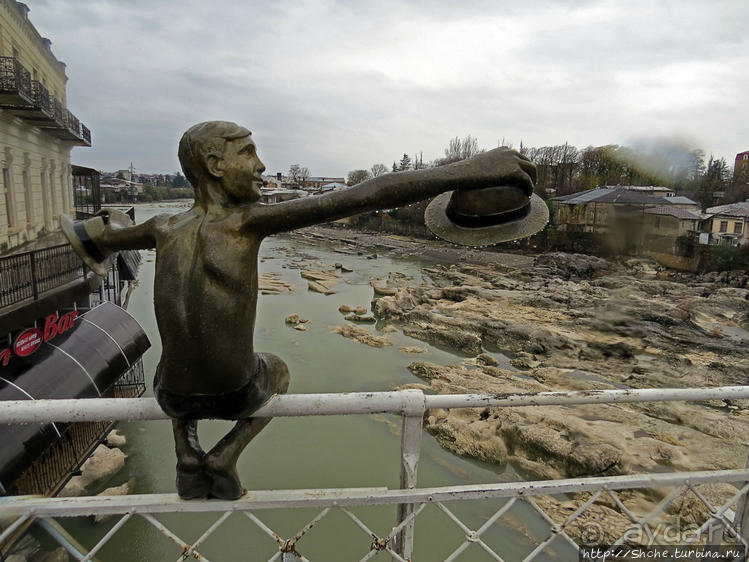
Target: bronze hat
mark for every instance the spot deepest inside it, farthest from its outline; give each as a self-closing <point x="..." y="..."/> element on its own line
<point x="482" y="217"/>
<point x="85" y="236"/>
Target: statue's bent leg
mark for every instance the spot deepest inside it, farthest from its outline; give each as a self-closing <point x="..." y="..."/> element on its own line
<point x="191" y="480"/>
<point x="221" y="461"/>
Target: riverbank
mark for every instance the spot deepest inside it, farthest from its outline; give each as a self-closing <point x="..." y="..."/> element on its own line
<point x="573" y="322"/>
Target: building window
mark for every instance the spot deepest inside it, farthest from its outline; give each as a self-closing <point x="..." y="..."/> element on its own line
<point x="723" y="226"/>
<point x="10" y="199"/>
<point x="45" y="200"/>
<point x="29" y="196"/>
<point x="737" y="228"/>
<point x="52" y="194"/>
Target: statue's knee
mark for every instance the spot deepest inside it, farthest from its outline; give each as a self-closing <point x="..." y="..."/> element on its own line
<point x="278" y="373"/>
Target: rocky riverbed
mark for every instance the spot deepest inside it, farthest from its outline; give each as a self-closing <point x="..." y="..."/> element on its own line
<point x="573" y="322"/>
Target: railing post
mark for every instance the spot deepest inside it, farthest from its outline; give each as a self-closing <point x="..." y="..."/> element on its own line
<point x="741" y="520"/>
<point x="34" y="285"/>
<point x="413" y="421"/>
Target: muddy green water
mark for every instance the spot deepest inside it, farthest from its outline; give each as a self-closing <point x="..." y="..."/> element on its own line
<point x="313" y="452"/>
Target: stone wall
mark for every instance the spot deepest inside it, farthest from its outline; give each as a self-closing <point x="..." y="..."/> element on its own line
<point x="675" y="262"/>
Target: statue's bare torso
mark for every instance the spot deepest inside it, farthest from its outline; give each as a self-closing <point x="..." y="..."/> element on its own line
<point x="205" y="297"/>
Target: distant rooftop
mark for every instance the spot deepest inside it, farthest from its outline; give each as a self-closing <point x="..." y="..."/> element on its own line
<point x="643" y="188"/>
<point x="620" y="195"/>
<point x="670" y="210"/>
<point x="681" y="200"/>
<point x="733" y="209"/>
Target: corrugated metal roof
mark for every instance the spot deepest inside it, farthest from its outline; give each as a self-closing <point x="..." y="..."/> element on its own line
<point x="732" y="209"/>
<point x="677" y="212"/>
<point x="615" y="195"/>
<point x="681" y="200"/>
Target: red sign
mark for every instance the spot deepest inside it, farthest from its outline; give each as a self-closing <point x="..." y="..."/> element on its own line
<point x="28" y="342"/>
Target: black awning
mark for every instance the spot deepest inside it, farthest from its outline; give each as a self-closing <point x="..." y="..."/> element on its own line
<point x="128" y="262"/>
<point x="83" y="362"/>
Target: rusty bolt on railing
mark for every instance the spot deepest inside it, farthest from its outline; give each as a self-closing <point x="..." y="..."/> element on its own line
<point x="378" y="543"/>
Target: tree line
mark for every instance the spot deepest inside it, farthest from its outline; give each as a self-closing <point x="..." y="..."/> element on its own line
<point x="563" y="169"/>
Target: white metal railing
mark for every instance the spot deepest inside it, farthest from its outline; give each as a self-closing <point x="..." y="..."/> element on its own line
<point x="728" y="522"/>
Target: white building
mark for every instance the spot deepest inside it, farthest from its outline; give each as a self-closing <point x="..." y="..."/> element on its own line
<point x="37" y="132"/>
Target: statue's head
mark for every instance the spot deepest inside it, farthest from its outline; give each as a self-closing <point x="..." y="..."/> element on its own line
<point x="221" y="153"/>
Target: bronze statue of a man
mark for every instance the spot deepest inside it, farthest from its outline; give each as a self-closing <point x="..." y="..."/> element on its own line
<point x="206" y="283"/>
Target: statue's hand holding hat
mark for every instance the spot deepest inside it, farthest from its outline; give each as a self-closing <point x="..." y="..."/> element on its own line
<point x="86" y="237"/>
<point x="482" y="216"/>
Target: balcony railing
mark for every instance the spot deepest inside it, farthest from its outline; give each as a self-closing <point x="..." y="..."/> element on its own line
<point x="74" y="126"/>
<point x="726" y="525"/>
<point x="30" y="100"/>
<point x="42" y="100"/>
<point x="15" y="83"/>
<point x="85" y="134"/>
<point x="30" y="274"/>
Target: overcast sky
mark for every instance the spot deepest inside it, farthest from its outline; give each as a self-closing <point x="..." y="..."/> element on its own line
<point x="340" y="85"/>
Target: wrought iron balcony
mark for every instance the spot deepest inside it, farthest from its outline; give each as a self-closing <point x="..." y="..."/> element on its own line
<point x="30" y="100"/>
<point x="40" y="112"/>
<point x="28" y="275"/>
<point x="15" y="84"/>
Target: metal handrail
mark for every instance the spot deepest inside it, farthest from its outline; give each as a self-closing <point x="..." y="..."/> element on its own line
<point x="405" y="402"/>
<point x="412" y="405"/>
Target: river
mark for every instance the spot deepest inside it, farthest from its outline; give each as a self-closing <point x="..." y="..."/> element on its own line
<point x="312" y="452"/>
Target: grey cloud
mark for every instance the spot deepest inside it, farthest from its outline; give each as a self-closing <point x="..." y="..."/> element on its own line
<point x="337" y="85"/>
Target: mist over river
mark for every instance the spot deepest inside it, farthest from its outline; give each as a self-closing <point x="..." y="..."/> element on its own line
<point x="311" y="452"/>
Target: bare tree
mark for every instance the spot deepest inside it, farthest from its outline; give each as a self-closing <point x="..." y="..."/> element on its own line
<point x="458" y="149"/>
<point x="357" y="176"/>
<point x="298" y="174"/>
<point x="378" y="170"/>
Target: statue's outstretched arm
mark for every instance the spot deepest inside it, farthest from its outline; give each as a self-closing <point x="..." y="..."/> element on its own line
<point x="496" y="167"/>
<point x="136" y="237"/>
<point x="97" y="238"/>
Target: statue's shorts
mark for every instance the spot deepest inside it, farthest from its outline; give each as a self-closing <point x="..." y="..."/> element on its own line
<point x="271" y="377"/>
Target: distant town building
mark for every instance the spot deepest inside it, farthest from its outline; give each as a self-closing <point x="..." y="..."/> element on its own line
<point x="598" y="210"/>
<point x="741" y="167"/>
<point x="316" y="182"/>
<point x="332" y="186"/>
<point x="669" y="220"/>
<point x="123" y="174"/>
<point x="278" y="195"/>
<point x="729" y="224"/>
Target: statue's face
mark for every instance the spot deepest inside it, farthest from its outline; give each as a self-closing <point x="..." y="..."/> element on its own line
<point x="242" y="170"/>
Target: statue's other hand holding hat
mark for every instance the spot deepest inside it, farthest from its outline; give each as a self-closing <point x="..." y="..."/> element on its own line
<point x="499" y="166"/>
<point x="480" y="216"/>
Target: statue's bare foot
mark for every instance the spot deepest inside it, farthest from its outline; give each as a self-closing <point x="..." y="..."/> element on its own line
<point x="192" y="481"/>
<point x="223" y="479"/>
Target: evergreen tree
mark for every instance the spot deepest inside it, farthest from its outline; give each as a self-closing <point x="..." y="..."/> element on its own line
<point x="405" y="163"/>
